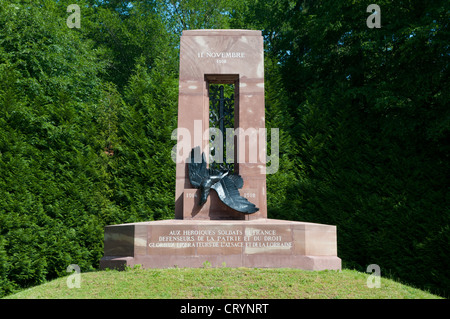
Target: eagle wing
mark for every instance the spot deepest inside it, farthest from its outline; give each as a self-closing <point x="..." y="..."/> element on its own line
<point x="228" y="192"/>
<point x="197" y="170"/>
<point x="237" y="180"/>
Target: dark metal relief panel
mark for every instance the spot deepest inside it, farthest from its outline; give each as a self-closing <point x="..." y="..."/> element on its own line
<point x="221" y="117"/>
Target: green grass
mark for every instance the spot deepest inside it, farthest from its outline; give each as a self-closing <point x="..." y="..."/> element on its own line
<point x="239" y="283"/>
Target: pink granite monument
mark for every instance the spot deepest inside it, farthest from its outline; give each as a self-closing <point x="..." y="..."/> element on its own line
<point x="214" y="232"/>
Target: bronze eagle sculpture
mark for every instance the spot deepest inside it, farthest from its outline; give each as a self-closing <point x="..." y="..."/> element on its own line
<point x="226" y="185"/>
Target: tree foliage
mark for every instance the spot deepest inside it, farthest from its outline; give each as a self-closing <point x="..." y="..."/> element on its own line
<point x="371" y="130"/>
<point x="86" y="117"/>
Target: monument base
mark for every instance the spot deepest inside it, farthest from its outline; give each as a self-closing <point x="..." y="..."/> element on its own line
<point x="263" y="243"/>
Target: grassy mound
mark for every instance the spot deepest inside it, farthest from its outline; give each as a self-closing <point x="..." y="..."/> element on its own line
<point x="239" y="283"/>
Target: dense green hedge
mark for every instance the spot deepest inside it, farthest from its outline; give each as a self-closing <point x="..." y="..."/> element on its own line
<point x="75" y="154"/>
<point x="371" y="135"/>
<point x="86" y="117"/>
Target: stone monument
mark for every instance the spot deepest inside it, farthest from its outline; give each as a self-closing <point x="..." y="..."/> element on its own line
<point x="214" y="63"/>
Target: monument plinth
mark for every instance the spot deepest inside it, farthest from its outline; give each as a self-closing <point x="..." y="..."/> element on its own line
<point x="190" y="243"/>
<point x="221" y="112"/>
